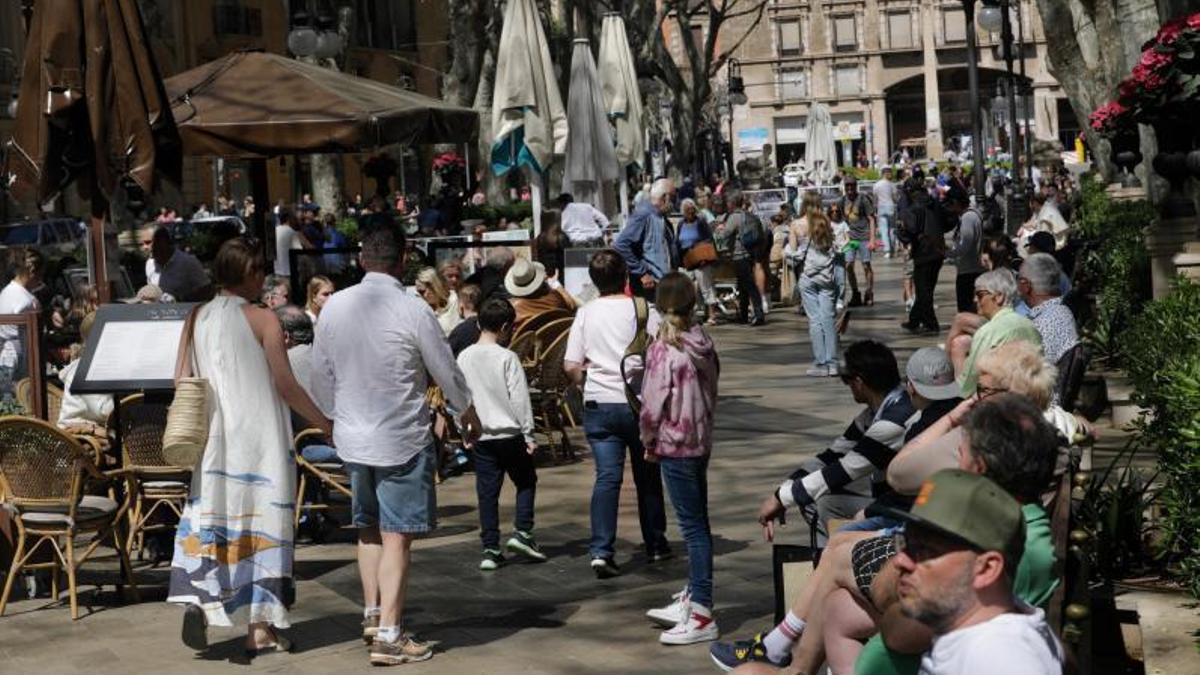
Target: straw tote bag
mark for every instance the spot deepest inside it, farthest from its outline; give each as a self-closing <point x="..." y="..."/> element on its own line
<point x="186" y="431"/>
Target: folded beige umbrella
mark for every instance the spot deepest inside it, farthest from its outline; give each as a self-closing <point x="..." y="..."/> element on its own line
<point x="528" y="120"/>
<point x="591" y="160"/>
<point x="622" y="98"/>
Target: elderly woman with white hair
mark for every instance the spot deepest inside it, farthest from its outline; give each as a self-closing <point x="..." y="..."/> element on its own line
<point x="698" y="252"/>
<point x="995" y="295"/>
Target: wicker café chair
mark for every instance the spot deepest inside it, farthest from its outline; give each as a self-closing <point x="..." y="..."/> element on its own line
<point x="534" y="323"/>
<point x="23" y="392"/>
<point x="329" y="478"/>
<point x="550" y="408"/>
<point x="54" y="399"/>
<point x="42" y="473"/>
<point x="158" y="487"/>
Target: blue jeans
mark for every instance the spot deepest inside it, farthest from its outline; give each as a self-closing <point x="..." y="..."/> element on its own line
<point x="687" y="483"/>
<point x="494" y="459"/>
<point x="870" y="524"/>
<point x="884" y="225"/>
<point x="320" y="454"/>
<point x="611" y="430"/>
<point x="819" y="305"/>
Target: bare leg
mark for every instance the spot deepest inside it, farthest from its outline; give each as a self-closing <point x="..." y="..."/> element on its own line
<point x="393" y="577"/>
<point x="846" y="622"/>
<point x="370" y="552"/>
<point x="852" y="278"/>
<point x="870" y="277"/>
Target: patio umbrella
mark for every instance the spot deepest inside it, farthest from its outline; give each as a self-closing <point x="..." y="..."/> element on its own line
<point x="591" y="158"/>
<point x="92" y="106"/>
<point x="528" y="120"/>
<point x="92" y="110"/>
<point x="254" y="105"/>
<point x="820" y="155"/>
<point x="622" y="99"/>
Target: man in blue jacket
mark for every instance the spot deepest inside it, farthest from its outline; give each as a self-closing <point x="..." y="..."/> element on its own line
<point x="647" y="242"/>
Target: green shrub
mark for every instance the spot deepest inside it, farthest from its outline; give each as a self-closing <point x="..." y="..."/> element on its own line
<point x="1161" y="352"/>
<point x="1114" y="265"/>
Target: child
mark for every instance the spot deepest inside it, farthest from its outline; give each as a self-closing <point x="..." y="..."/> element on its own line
<point x="466" y="333"/>
<point x="679" y="393"/>
<point x="841" y="241"/>
<point x="506" y="446"/>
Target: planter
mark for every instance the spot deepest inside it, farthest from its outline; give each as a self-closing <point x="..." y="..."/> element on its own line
<point x="1176" y="142"/>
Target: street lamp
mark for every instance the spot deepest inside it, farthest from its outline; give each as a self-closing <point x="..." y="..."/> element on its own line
<point x="1016" y="207"/>
<point x="973" y="91"/>
<point x="736" y="95"/>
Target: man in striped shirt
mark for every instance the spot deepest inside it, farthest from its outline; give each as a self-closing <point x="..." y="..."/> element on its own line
<point x="850" y="474"/>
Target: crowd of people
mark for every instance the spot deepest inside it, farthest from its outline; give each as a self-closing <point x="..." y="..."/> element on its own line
<point x="929" y="507"/>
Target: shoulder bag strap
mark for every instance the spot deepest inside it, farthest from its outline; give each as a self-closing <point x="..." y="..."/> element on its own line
<point x="184" y="362"/>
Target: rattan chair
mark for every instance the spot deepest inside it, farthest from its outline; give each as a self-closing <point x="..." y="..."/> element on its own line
<point x="548" y="396"/>
<point x="23" y="392"/>
<point x="535" y="322"/>
<point x="329" y="477"/>
<point x="158" y="487"/>
<point x="54" y="398"/>
<point x="42" y="471"/>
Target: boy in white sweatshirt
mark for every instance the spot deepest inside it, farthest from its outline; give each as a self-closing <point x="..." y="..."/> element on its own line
<point x="506" y="446"/>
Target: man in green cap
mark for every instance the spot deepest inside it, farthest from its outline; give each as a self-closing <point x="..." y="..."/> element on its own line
<point x="956" y="561"/>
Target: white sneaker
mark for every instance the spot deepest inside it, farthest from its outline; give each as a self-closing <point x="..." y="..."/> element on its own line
<point x="817" y="371"/>
<point x="766" y="306"/>
<point x="673" y="613"/>
<point x="698" y="627"/>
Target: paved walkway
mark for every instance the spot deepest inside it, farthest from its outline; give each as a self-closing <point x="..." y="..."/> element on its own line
<point x="545" y="618"/>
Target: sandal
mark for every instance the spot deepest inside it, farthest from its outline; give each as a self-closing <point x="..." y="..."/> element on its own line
<point x="280" y="646"/>
<point x="195" y="628"/>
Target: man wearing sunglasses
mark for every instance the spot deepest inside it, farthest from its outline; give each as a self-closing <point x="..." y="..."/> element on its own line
<point x="956" y="563"/>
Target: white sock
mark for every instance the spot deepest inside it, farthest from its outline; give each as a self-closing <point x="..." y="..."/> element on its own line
<point x="388" y="633"/>
<point x="780" y="640"/>
<point x="369" y="612"/>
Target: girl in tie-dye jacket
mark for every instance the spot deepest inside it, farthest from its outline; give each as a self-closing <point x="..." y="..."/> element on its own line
<point x="679" y="395"/>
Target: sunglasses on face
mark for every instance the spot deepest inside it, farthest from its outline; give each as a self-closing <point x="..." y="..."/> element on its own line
<point x="926" y="546"/>
<point x="982" y="392"/>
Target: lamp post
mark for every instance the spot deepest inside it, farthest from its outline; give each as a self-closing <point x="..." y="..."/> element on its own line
<point x="977" y="174"/>
<point x="1017" y="207"/>
<point x="737" y="96"/>
<point x="1026" y="100"/>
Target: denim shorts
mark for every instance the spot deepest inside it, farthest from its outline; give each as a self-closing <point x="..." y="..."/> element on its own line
<point x="861" y="253"/>
<point x="399" y="499"/>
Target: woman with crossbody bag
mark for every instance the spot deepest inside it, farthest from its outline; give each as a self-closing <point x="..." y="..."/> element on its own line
<point x="818" y="286"/>
<point x="698" y="253"/>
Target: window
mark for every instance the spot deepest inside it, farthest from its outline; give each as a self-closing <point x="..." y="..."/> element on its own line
<point x="899" y="28"/>
<point x="846" y="80"/>
<point x="385" y="24"/>
<point x="698" y="37"/>
<point x="231" y="17"/>
<point x="955" y="27"/>
<point x="793" y="84"/>
<point x="845" y="36"/>
<point x="789" y="38"/>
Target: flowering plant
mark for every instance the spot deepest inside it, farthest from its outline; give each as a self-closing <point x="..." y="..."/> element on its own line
<point x="1165" y="79"/>
<point x="451" y="168"/>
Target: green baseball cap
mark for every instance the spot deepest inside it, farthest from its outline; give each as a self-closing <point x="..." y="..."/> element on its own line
<point x="967" y="507"/>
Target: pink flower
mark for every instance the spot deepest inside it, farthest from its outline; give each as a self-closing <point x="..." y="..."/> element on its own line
<point x="1155" y="60"/>
<point x="1193" y="21"/>
<point x="1170" y="31"/>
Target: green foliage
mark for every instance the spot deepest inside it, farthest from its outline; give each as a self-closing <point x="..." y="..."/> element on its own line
<point x="491" y="215"/>
<point x="1162" y="356"/>
<point x="1114" y="265"/>
<point x="870" y="173"/>
<point x="348" y="228"/>
<point x="1113" y="512"/>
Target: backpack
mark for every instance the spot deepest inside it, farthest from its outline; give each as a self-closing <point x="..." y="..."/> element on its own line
<point x="637" y="347"/>
<point x="750" y="231"/>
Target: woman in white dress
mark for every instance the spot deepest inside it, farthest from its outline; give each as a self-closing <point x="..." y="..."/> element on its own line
<point x="234" y="546"/>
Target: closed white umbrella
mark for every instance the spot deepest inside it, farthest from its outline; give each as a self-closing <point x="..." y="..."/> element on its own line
<point x="820" y="155"/>
<point x="591" y="157"/>
<point x="622" y="99"/>
<point x="528" y="119"/>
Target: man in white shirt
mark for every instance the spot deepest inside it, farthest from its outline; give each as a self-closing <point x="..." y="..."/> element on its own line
<point x="374" y="345"/>
<point x="288" y="237"/>
<point x="178" y="273"/>
<point x="600" y="334"/>
<point x="28" y="266"/>
<point x="581" y="222"/>
<point x="956" y="577"/>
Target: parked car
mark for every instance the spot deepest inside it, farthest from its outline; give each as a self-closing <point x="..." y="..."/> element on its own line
<point x="51" y="236"/>
<point x="203" y="236"/>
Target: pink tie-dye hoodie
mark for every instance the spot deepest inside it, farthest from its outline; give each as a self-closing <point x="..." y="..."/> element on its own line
<point x="679" y="396"/>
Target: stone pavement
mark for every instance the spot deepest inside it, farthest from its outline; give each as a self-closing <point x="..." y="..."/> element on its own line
<point x="525" y="618"/>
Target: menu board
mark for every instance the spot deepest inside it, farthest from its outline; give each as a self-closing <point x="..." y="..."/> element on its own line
<point x="132" y="348"/>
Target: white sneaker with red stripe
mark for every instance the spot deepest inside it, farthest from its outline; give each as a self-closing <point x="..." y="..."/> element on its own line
<point x="699" y="626"/>
<point x="673" y="613"/>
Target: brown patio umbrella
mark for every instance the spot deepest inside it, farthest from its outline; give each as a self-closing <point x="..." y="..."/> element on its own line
<point x="92" y="105"/>
<point x="92" y="110"/>
<point x="254" y="104"/>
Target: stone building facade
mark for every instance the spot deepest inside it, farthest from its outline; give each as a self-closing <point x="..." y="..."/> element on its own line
<point x="893" y="73"/>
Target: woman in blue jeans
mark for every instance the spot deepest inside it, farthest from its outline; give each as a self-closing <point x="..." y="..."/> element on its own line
<point x="600" y="334"/>
<point x="679" y="393"/>
<point x="818" y="290"/>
